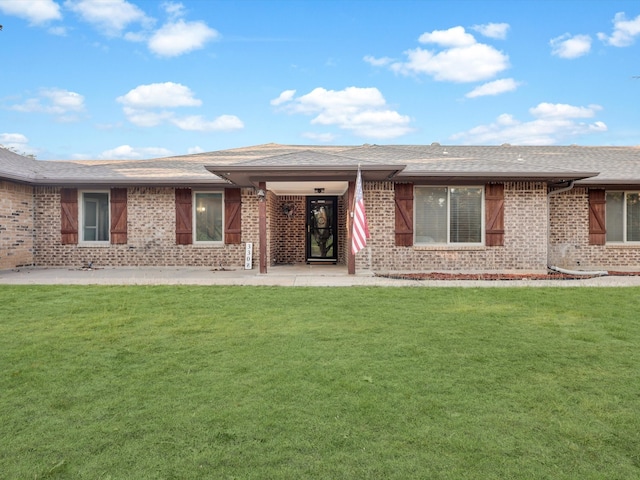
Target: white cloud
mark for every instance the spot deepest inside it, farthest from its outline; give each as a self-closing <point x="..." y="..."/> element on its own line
<point x="378" y="62"/>
<point x="63" y="104"/>
<point x="152" y="105"/>
<point x="154" y="95"/>
<point x="179" y="37"/>
<point x="58" y="30"/>
<point x="567" y="46"/>
<point x="197" y="123"/>
<point x="174" y="10"/>
<point x="494" y="88"/>
<point x="552" y="124"/>
<point x="453" y="37"/>
<point x="146" y="118"/>
<point x="127" y="152"/>
<point x="35" y="12"/>
<point x="17" y="143"/>
<point x="624" y="31"/>
<point x="196" y="149"/>
<point x="109" y="16"/>
<point x="493" y="30"/>
<point x="284" y="97"/>
<point x="362" y="111"/>
<point x="463" y="59"/>
<point x="14" y="138"/>
<point x="563" y="110"/>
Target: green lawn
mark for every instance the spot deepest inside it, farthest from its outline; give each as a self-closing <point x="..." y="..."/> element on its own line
<point x="337" y="383"/>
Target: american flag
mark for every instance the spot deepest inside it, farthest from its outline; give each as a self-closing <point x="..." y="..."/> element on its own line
<point x="360" y="230"/>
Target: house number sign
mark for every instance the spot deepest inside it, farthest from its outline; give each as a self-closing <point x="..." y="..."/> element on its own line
<point x="248" y="256"/>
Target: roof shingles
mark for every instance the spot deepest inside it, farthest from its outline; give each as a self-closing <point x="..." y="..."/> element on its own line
<point x="602" y="165"/>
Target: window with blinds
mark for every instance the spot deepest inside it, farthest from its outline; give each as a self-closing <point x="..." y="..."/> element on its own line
<point x="622" y="216"/>
<point x="448" y="215"/>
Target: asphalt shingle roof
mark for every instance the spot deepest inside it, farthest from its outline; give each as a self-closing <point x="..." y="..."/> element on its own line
<point x="604" y="165"/>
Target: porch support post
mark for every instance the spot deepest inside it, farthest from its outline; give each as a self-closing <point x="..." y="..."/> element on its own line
<point x="351" y="258"/>
<point x="262" y="227"/>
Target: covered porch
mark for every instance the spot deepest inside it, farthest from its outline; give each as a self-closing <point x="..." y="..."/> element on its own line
<point x="305" y="209"/>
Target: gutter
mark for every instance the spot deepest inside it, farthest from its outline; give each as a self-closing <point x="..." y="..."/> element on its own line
<point x="593" y="273"/>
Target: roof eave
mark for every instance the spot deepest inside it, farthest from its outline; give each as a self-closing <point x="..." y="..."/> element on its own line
<point x="466" y="177"/>
<point x="131" y="182"/>
<point x="243" y="175"/>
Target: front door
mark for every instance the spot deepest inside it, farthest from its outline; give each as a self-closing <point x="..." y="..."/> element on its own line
<point x="322" y="238"/>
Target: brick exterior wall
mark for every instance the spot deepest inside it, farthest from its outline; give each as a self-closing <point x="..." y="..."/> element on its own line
<point x="525" y="244"/>
<point x="289" y="238"/>
<point x="16" y="225"/>
<point x="30" y="234"/>
<point x="151" y="238"/>
<point x="569" y="238"/>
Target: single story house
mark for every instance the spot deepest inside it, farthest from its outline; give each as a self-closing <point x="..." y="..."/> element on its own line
<point x="429" y="208"/>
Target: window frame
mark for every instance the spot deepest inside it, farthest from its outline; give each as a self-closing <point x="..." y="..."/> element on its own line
<point x="624" y="240"/>
<point x="449" y="243"/>
<point x="194" y="220"/>
<point x="81" y="218"/>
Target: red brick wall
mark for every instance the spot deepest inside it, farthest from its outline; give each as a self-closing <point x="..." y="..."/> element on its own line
<point x="150" y="236"/>
<point x="569" y="238"/>
<point x="290" y="230"/>
<point x="25" y="211"/>
<point x="16" y="225"/>
<point x="525" y="247"/>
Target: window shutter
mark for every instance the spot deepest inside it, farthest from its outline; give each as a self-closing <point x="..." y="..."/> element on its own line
<point x="118" y="215"/>
<point x="69" y="216"/>
<point x="232" y="216"/>
<point x="597" y="228"/>
<point x="404" y="214"/>
<point x="183" y="217"/>
<point x="494" y="214"/>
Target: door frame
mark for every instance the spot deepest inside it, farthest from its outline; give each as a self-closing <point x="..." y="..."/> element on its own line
<point x="333" y="201"/>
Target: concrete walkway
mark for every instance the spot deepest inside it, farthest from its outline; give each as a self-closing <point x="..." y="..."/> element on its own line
<point x="285" y="276"/>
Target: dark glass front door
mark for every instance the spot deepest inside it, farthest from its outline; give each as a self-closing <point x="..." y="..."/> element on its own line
<point x="322" y="239"/>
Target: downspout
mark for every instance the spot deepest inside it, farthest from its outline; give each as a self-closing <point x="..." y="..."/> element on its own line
<point x="554" y="268"/>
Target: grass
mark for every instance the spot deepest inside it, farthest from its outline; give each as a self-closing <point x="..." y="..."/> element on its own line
<point x="337" y="383"/>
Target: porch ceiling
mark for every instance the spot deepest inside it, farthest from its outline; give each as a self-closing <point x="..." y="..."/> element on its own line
<point x="245" y="176"/>
<point x="308" y="188"/>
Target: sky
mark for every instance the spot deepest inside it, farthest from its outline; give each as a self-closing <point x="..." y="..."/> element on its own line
<point x="132" y="79"/>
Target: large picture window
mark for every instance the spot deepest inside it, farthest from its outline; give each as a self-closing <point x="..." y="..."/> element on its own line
<point x="95" y="216"/>
<point x="208" y="217"/>
<point x="623" y="216"/>
<point x="448" y="215"/>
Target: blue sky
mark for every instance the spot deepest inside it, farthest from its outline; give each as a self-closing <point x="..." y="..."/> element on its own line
<point x="130" y="79"/>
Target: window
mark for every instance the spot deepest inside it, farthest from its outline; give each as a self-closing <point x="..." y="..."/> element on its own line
<point x="95" y="216"/>
<point x="623" y="216"/>
<point x="208" y="219"/>
<point x="449" y="215"/>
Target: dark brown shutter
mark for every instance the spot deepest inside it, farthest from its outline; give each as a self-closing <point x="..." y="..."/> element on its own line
<point x="69" y="216"/>
<point x="494" y="214"/>
<point x="232" y="216"/>
<point x="118" y="215"/>
<point x="183" y="216"/>
<point x="597" y="228"/>
<point x="404" y="214"/>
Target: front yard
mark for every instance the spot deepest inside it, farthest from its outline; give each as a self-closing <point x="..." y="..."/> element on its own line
<point x="267" y="382"/>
